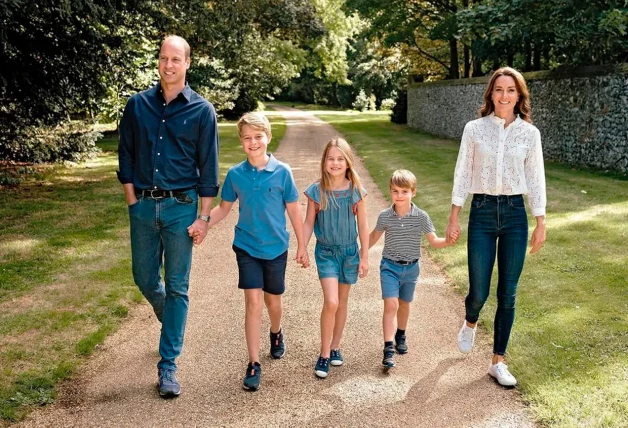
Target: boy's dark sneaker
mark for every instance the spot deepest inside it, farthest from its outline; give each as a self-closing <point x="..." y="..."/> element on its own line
<point x="253" y="377"/>
<point x="389" y="357"/>
<point x="277" y="346"/>
<point x="321" y="369"/>
<point x="335" y="358"/>
<point x="400" y="344"/>
<point x="168" y="384"/>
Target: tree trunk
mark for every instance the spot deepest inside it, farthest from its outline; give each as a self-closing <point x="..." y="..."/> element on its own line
<point x="477" y="60"/>
<point x="528" y="55"/>
<point x="467" y="54"/>
<point x="454" y="68"/>
<point x="536" y="58"/>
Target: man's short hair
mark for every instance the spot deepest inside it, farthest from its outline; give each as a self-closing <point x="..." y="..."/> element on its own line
<point x="255" y="119"/>
<point x="186" y="45"/>
<point x="404" y="179"/>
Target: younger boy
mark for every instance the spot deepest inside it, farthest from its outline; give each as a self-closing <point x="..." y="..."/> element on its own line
<point x="404" y="224"/>
<point x="266" y="189"/>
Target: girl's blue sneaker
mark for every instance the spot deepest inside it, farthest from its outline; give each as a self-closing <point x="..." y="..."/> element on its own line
<point x="335" y="358"/>
<point x="321" y="369"/>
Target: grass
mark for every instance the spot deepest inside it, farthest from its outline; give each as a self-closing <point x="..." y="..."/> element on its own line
<point x="65" y="269"/>
<point x="569" y="346"/>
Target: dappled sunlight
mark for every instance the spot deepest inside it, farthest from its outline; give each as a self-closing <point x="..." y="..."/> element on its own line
<point x="226" y="125"/>
<point x="617" y="210"/>
<point x="17" y="246"/>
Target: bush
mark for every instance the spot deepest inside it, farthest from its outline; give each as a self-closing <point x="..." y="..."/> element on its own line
<point x="345" y="95"/>
<point x="388" y="104"/>
<point x="372" y="102"/>
<point x="361" y="101"/>
<point x="400" y="110"/>
<point x="73" y="141"/>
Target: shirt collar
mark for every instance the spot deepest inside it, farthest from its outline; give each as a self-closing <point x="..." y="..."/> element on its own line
<point x="270" y="166"/>
<point x="500" y="121"/>
<point x="186" y="92"/>
<point x="414" y="210"/>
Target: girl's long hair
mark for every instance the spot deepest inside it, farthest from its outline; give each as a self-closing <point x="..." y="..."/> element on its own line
<point x="351" y="174"/>
<point x="522" y="107"/>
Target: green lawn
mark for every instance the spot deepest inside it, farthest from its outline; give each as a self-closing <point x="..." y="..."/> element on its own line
<point x="65" y="269"/>
<point x="569" y="347"/>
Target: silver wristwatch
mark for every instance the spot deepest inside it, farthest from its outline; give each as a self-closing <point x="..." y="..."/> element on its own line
<point x="205" y="218"/>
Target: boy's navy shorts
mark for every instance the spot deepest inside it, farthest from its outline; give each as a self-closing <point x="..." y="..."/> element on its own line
<point x="269" y="275"/>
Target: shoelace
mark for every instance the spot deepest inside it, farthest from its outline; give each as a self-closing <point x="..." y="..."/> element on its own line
<point x="467" y="333"/>
<point x="502" y="369"/>
<point x="167" y="375"/>
<point x="323" y="362"/>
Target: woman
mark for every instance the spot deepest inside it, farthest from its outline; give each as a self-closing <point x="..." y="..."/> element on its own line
<point x="500" y="159"/>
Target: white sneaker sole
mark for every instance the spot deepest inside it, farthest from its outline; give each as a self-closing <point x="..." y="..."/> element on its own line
<point x="320" y="374"/>
<point x="336" y="363"/>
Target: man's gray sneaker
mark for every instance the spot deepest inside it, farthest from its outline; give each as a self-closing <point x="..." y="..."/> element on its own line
<point x="168" y="384"/>
<point x="466" y="338"/>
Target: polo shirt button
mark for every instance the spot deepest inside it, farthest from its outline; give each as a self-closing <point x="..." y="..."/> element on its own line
<point x="161" y="138"/>
<point x="163" y="120"/>
<point x="156" y="170"/>
<point x="155" y="187"/>
<point x="158" y="154"/>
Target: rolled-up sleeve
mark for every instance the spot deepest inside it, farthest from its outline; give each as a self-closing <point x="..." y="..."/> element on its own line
<point x="126" y="146"/>
<point x="208" y="154"/>
<point x="464" y="169"/>
<point x="534" y="170"/>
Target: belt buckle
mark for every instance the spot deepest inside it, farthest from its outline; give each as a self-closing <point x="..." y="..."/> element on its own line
<point x="152" y="196"/>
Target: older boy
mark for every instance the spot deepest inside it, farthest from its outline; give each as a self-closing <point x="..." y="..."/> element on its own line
<point x="404" y="224"/>
<point x="266" y="189"/>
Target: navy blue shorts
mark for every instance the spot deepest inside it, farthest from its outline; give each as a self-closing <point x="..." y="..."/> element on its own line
<point x="269" y="275"/>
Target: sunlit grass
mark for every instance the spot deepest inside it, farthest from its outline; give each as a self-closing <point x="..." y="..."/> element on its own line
<point x="569" y="347"/>
<point x="65" y="269"/>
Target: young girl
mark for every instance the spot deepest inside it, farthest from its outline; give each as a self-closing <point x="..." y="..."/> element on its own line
<point x="336" y="212"/>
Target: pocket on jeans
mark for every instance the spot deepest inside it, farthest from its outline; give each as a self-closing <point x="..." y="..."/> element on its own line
<point x="184" y="199"/>
<point x="517" y="204"/>
<point x="477" y="203"/>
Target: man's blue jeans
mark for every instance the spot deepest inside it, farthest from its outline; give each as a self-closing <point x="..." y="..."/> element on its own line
<point x="159" y="238"/>
<point x="498" y="225"/>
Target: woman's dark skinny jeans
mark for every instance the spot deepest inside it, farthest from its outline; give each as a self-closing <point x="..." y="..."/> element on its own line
<point x="498" y="226"/>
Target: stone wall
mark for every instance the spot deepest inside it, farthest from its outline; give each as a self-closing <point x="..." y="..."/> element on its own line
<point x="582" y="114"/>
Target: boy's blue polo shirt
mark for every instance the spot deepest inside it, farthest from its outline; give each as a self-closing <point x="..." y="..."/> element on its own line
<point x="261" y="229"/>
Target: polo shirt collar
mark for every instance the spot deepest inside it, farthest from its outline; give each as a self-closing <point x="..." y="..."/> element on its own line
<point x="414" y="210"/>
<point x="270" y="166"/>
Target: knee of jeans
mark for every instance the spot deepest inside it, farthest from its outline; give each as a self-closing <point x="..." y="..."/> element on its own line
<point x="506" y="301"/>
<point x="476" y="303"/>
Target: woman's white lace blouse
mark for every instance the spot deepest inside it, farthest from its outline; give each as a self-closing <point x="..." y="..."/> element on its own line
<point x="500" y="161"/>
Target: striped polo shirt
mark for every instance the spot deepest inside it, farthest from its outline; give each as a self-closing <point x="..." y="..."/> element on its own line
<point x="402" y="238"/>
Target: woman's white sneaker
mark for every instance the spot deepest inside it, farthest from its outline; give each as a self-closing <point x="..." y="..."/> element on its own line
<point x="500" y="372"/>
<point x="466" y="337"/>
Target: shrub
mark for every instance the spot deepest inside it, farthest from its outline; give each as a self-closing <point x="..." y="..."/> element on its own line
<point x="361" y="101"/>
<point x="387" y="104"/>
<point x="73" y="141"/>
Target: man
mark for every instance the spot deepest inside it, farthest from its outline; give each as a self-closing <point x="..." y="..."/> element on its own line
<point x="168" y="159"/>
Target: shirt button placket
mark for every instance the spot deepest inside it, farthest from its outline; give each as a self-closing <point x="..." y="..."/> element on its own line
<point x="499" y="165"/>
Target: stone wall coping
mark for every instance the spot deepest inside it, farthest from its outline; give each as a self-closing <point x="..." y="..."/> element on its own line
<point x="560" y="73"/>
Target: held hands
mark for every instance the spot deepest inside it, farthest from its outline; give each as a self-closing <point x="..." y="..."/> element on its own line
<point x="302" y="258"/>
<point x="197" y="231"/>
<point x="453" y="232"/>
<point x="363" y="268"/>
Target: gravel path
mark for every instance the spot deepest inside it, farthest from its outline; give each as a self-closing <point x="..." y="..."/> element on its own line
<point x="432" y="386"/>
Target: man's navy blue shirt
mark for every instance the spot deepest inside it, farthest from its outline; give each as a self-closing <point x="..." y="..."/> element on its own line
<point x="169" y="146"/>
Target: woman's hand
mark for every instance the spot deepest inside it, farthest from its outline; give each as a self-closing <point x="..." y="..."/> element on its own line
<point x="538" y="236"/>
